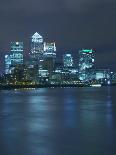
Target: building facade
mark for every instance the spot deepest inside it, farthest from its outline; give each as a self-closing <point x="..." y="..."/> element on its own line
<point x="49" y="58"/>
<point x="50" y="50"/>
<point x="16" y="53"/>
<point x="7" y="64"/>
<point x="37" y="49"/>
<point x="68" y="60"/>
<point x="15" y="57"/>
<point x="86" y="62"/>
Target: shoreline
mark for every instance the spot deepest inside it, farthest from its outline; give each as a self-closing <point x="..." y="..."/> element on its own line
<point x="9" y="87"/>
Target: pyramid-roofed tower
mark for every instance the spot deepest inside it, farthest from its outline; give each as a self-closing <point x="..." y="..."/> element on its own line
<point x="37" y="38"/>
<point x="37" y="35"/>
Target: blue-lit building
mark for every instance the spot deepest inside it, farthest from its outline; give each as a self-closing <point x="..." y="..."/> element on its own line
<point x="15" y="57"/>
<point x="65" y="76"/>
<point x="101" y="76"/>
<point x="50" y="50"/>
<point x="86" y="62"/>
<point x="16" y="53"/>
<point x="68" y="60"/>
<point x="113" y="78"/>
<point x="7" y="64"/>
<point x="49" y="57"/>
<point x="37" y="49"/>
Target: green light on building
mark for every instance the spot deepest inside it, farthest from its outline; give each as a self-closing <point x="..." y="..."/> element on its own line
<point x="87" y="50"/>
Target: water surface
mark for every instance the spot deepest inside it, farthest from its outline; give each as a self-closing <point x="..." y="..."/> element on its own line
<point x="59" y="121"/>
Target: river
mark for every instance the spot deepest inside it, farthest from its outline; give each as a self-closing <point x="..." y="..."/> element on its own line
<point x="58" y="121"/>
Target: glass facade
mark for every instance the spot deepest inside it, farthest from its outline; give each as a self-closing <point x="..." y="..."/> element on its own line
<point x="50" y="50"/>
<point x="36" y="47"/>
<point x="15" y="57"/>
<point x="86" y="62"/>
<point x="49" y="57"/>
<point x="16" y="53"/>
<point x="68" y="60"/>
<point x="7" y="64"/>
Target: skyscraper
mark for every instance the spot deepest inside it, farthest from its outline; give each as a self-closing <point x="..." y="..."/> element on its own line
<point x="16" y="53"/>
<point x="50" y="50"/>
<point x="49" y="57"/>
<point x="68" y="60"/>
<point x="36" y="53"/>
<point x="7" y="64"/>
<point x="15" y="57"/>
<point x="86" y="62"/>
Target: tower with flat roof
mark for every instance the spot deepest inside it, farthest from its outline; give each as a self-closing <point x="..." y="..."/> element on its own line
<point x="68" y="60"/>
<point x="86" y="62"/>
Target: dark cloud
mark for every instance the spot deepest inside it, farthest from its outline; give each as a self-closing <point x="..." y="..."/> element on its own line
<point x="73" y="24"/>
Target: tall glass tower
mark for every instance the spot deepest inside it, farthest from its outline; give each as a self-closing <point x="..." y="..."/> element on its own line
<point x="16" y="53"/>
<point x="37" y="49"/>
<point x="86" y="62"/>
<point x="7" y="64"/>
<point x="49" y="49"/>
<point x="15" y="57"/>
<point x="49" y="57"/>
<point x="68" y="60"/>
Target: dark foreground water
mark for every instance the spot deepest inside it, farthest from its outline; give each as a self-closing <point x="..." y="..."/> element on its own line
<point x="59" y="121"/>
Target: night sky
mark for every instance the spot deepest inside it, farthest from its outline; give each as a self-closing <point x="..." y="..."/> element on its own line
<point x="72" y="24"/>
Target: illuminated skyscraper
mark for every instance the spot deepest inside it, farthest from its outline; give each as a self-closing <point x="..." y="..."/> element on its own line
<point x="68" y="60"/>
<point x="16" y="53"/>
<point x="37" y="49"/>
<point x="7" y="64"/>
<point x="15" y="57"/>
<point x="50" y="50"/>
<point x="49" y="57"/>
<point x="86" y="62"/>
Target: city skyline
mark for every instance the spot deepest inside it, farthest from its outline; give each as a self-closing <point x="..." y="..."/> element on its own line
<point x="71" y="24"/>
<point x="57" y="77"/>
<point x="61" y="53"/>
<point x="42" y="66"/>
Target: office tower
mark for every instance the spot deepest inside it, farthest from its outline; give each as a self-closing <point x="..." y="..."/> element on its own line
<point x="16" y="53"/>
<point x="86" y="62"/>
<point x="113" y="78"/>
<point x="7" y="64"/>
<point x="68" y="60"/>
<point x="50" y="50"/>
<point x="15" y="57"/>
<point x="102" y="74"/>
<point x="36" y="53"/>
<point x="49" y="57"/>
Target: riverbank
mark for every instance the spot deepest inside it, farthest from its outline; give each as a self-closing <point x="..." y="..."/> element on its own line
<point x="2" y="87"/>
<point x="7" y="87"/>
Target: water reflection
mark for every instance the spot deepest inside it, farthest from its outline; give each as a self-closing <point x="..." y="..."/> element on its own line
<point x="109" y="108"/>
<point x="69" y="109"/>
<point x="58" y="121"/>
<point x="26" y="122"/>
